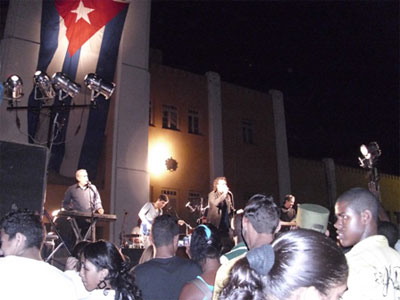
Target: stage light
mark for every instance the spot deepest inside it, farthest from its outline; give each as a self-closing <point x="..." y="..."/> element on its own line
<point x="13" y="88"/>
<point x="64" y="84"/>
<point x="99" y="86"/>
<point x="43" y="83"/>
<point x="370" y="153"/>
<point x="158" y="154"/>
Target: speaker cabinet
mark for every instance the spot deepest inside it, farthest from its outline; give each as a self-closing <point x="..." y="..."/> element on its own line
<point x="22" y="176"/>
<point x="133" y="254"/>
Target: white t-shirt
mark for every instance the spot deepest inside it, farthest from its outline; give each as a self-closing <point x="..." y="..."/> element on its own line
<point x="24" y="278"/>
<point x="81" y="291"/>
<point x="100" y="295"/>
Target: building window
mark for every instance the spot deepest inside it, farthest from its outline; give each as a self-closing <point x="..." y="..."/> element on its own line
<point x="193" y="121"/>
<point x="248" y="131"/>
<point x="172" y="204"/>
<point x="195" y="200"/>
<point x="151" y="113"/>
<point x="170" y="117"/>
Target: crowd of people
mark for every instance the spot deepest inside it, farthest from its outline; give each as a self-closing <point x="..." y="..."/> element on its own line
<point x="265" y="262"/>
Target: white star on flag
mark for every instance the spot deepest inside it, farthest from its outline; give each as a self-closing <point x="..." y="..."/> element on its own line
<point x="82" y="12"/>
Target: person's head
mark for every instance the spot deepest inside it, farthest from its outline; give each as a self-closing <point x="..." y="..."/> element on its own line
<point x="237" y="227"/>
<point x="260" y="219"/>
<point x="205" y="243"/>
<point x="77" y="252"/>
<point x="244" y="283"/>
<point x="289" y="201"/>
<point x="103" y="266"/>
<point x="82" y="177"/>
<point x="390" y="231"/>
<point x="21" y="230"/>
<point x="315" y="265"/>
<point x="220" y="185"/>
<point x="165" y="231"/>
<point x="161" y="201"/>
<point x="357" y="216"/>
<point x="305" y="265"/>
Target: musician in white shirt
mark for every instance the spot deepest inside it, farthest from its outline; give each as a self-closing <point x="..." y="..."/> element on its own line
<point x="148" y="213"/>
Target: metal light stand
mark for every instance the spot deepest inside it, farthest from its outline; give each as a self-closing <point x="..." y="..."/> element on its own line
<point x="59" y="236"/>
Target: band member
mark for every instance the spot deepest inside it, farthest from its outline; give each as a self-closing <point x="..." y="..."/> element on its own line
<point x="148" y="213"/>
<point x="221" y="205"/>
<point x="288" y="213"/>
<point x="83" y="196"/>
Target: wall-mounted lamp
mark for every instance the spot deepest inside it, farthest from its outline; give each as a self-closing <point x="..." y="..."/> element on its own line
<point x="63" y="83"/>
<point x="98" y="86"/>
<point x="42" y="83"/>
<point x="13" y="88"/>
<point x="171" y="164"/>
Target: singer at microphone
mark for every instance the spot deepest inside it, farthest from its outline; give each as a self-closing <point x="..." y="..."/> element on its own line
<point x="83" y="196"/>
<point x="221" y="206"/>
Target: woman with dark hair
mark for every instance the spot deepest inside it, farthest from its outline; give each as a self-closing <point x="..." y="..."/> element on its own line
<point x="73" y="266"/>
<point x="105" y="273"/>
<point x="205" y="249"/>
<point x="301" y="264"/>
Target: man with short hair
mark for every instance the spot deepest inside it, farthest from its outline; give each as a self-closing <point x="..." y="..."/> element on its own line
<point x="23" y="274"/>
<point x="259" y="225"/>
<point x="288" y="212"/>
<point x="83" y="196"/>
<point x="374" y="267"/>
<point x="164" y="276"/>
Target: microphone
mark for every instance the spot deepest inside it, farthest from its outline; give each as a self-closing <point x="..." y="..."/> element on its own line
<point x="189" y="206"/>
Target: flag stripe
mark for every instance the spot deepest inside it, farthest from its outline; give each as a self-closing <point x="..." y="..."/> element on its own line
<point x="90" y="153"/>
<point x="75" y="148"/>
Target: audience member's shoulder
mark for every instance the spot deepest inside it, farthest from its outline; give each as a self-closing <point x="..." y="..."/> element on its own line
<point x="188" y="263"/>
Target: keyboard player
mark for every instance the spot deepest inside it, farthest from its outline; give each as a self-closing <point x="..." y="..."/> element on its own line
<point x="82" y="197"/>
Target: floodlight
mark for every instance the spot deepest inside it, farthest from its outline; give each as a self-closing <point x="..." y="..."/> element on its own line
<point x="42" y="83"/>
<point x="370" y="153"/>
<point x="13" y="88"/>
<point x="65" y="84"/>
<point x="99" y="86"/>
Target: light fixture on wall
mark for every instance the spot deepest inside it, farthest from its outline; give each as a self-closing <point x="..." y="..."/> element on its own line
<point x="171" y="164"/>
<point x="43" y="85"/>
<point x="98" y="86"/>
<point x="66" y="85"/>
<point x="13" y="88"/>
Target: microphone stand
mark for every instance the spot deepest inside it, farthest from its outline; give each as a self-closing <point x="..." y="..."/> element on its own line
<point x="122" y="233"/>
<point x="92" y="208"/>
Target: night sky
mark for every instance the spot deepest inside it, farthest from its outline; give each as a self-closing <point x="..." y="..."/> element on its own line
<point x="337" y="64"/>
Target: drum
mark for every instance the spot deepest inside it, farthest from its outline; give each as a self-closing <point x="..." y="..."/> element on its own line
<point x="133" y="241"/>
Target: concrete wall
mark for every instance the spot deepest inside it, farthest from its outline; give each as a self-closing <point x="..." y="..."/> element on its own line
<point x="309" y="183"/>
<point x="249" y="168"/>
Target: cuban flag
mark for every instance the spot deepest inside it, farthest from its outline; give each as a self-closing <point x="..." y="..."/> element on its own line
<point x="77" y="37"/>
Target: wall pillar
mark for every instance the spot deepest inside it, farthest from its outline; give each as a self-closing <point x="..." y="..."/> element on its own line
<point x="282" y="156"/>
<point x="215" y="126"/>
<point x="129" y="175"/>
